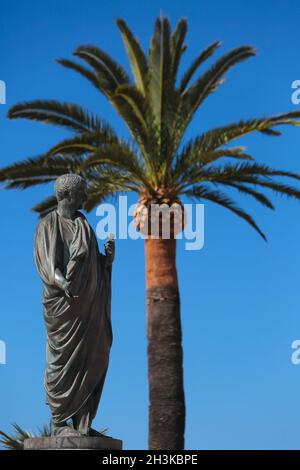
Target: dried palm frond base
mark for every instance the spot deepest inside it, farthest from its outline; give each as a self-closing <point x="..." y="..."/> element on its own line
<point x="159" y="216"/>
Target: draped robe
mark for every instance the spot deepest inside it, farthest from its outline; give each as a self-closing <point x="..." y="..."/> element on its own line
<point x="79" y="334"/>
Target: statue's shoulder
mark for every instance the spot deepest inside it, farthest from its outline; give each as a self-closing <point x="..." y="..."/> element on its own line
<point x="47" y="220"/>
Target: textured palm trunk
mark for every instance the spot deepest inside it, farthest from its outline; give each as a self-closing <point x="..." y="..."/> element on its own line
<point x="165" y="357"/>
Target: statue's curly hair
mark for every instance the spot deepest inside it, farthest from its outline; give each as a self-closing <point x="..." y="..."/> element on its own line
<point x="67" y="183"/>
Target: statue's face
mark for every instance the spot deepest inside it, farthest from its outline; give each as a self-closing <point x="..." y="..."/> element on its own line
<point x="78" y="197"/>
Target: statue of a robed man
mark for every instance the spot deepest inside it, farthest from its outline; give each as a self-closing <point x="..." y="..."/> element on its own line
<point x="77" y="300"/>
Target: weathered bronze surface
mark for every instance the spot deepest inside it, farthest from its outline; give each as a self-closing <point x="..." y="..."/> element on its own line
<point x="77" y="310"/>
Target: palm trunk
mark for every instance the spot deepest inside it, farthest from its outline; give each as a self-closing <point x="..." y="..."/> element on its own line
<point x="165" y="369"/>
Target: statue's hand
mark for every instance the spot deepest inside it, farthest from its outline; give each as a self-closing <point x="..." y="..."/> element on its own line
<point x="62" y="284"/>
<point x="110" y="250"/>
<point x="60" y="281"/>
<point x="69" y="296"/>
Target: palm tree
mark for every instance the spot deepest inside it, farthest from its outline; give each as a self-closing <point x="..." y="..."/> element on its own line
<point x="159" y="166"/>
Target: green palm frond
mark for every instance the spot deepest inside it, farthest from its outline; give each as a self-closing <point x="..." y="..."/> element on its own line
<point x="101" y="61"/>
<point x="195" y="94"/>
<point x="105" y="68"/>
<point x="120" y="157"/>
<point x="204" y="192"/>
<point x="86" y="73"/>
<point x="279" y="188"/>
<point x="16" y="440"/>
<point x="117" y="179"/>
<point x="239" y="173"/>
<point x="135" y="100"/>
<point x="276" y="187"/>
<point x="41" y="166"/>
<point x="84" y="143"/>
<point x="27" y="183"/>
<point x="101" y="194"/>
<point x="192" y="158"/>
<point x="136" y="55"/>
<point x="162" y="97"/>
<point x="132" y="120"/>
<point x="233" y="152"/>
<point x="240" y="170"/>
<point x="131" y="105"/>
<point x="45" y="430"/>
<point x="208" y="82"/>
<point x="223" y="135"/>
<point x="69" y="115"/>
<point x="199" y="150"/>
<point x="258" y="196"/>
<point x="202" y="57"/>
<point x="178" y="47"/>
<point x="273" y="132"/>
<point x="160" y="72"/>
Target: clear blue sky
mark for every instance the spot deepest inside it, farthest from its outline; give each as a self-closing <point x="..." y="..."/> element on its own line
<point x="240" y="295"/>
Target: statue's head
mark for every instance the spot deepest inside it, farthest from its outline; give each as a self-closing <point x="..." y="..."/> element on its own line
<point x="72" y="189"/>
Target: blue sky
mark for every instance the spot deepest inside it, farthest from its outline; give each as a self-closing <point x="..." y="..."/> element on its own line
<point x="240" y="295"/>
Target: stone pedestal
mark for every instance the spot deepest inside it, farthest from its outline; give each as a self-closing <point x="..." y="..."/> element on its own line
<point x="72" y="443"/>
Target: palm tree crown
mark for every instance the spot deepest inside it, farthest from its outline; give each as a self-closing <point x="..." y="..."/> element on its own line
<point x="157" y="108"/>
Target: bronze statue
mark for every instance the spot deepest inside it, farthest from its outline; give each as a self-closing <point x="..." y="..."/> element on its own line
<point x="77" y="301"/>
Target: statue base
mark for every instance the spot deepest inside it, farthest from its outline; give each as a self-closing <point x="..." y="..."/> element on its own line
<point x="72" y="443"/>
